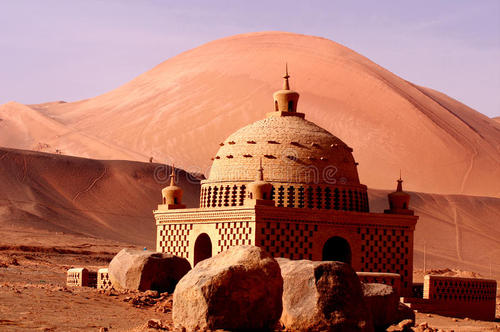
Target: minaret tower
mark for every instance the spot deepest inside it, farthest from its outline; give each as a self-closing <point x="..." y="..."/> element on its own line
<point x="259" y="191"/>
<point x="172" y="195"/>
<point x="399" y="201"/>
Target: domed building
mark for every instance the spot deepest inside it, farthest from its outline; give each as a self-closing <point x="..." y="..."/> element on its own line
<point x="287" y="185"/>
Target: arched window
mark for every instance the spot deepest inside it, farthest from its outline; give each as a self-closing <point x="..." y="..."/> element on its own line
<point x="290" y="106"/>
<point x="202" y="248"/>
<point x="337" y="249"/>
<point x="176" y="200"/>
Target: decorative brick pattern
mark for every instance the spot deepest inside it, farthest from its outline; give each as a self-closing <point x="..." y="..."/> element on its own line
<point x="173" y="239"/>
<point x="233" y="234"/>
<point x="386" y="250"/>
<point x="459" y="289"/>
<point x="81" y="277"/>
<point x="103" y="281"/>
<point x="289" y="240"/>
<point x="312" y="197"/>
<point x="457" y="297"/>
<point x="391" y="279"/>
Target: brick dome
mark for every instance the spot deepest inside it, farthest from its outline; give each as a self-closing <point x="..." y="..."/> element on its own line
<point x="307" y="166"/>
<point x="292" y="149"/>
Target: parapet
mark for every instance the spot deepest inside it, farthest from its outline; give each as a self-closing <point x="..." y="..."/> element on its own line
<point x="457" y="297"/>
<point x="390" y="279"/>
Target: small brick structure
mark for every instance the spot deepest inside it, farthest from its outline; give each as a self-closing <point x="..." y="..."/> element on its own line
<point x="390" y="279"/>
<point x="81" y="277"/>
<point x="103" y="281"/>
<point x="457" y="297"/>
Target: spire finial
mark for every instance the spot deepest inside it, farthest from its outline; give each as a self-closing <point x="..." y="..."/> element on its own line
<point x="261" y="171"/>
<point x="286" y="85"/>
<point x="400" y="182"/>
<point x="172" y="176"/>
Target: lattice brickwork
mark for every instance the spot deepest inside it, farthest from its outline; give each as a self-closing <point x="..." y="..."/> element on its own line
<point x="386" y="250"/>
<point x="312" y="197"/>
<point x="81" y="277"/>
<point x="233" y="234"/>
<point x="173" y="239"/>
<point x="289" y="240"/>
<point x="390" y="279"/>
<point x="103" y="281"/>
<point x="459" y="289"/>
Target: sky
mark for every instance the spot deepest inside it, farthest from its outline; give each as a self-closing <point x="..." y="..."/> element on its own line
<point x="71" y="50"/>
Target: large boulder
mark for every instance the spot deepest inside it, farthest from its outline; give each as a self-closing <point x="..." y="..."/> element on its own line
<point x="322" y="296"/>
<point x="239" y="289"/>
<point x="143" y="270"/>
<point x="382" y="302"/>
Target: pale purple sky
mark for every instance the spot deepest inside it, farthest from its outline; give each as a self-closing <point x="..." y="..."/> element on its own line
<point x="71" y="50"/>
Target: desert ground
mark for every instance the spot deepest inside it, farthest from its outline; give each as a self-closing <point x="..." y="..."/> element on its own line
<point x="33" y="294"/>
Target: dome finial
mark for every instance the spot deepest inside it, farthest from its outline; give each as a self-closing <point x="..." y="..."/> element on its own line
<point x="286" y="85"/>
<point x="172" y="176"/>
<point x="261" y="172"/>
<point x="400" y="183"/>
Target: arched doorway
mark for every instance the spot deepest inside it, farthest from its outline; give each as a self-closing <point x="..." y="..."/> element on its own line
<point x="202" y="248"/>
<point x="337" y="249"/>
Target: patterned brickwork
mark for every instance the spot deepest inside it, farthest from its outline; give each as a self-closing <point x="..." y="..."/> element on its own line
<point x="81" y="277"/>
<point x="233" y="234"/>
<point x="289" y="240"/>
<point x="103" y="281"/>
<point x="173" y="239"/>
<point x="387" y="250"/>
<point x="459" y="289"/>
<point x="298" y="196"/>
<point x="390" y="279"/>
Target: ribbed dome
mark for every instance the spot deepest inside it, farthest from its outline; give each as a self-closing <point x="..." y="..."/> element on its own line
<point x="292" y="149"/>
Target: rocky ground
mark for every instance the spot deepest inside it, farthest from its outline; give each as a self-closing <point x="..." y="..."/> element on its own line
<point x="33" y="295"/>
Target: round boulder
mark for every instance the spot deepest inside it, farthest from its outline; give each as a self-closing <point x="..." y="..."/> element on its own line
<point x="322" y="296"/>
<point x="144" y="270"/>
<point x="238" y="289"/>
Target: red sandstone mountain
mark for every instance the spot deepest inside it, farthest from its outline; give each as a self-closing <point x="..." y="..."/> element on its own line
<point x="113" y="200"/>
<point x="180" y="110"/>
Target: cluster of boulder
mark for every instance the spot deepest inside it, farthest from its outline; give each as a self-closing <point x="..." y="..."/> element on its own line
<point x="244" y="288"/>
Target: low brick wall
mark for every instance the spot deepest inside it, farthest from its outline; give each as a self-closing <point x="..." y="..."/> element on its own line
<point x="461" y="297"/>
<point x="103" y="281"/>
<point x="81" y="277"/>
<point x="391" y="279"/>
